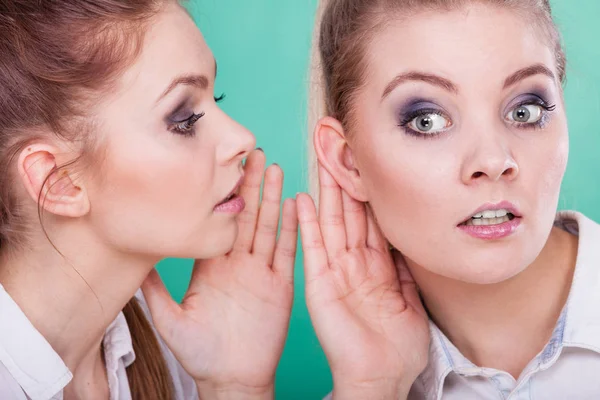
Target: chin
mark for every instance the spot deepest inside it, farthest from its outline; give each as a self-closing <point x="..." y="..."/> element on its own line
<point x="489" y="277"/>
<point x="489" y="271"/>
<point x="215" y="244"/>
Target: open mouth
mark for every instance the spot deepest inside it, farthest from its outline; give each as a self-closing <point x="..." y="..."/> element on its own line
<point x="228" y="198"/>
<point x="490" y="217"/>
<point x="233" y="202"/>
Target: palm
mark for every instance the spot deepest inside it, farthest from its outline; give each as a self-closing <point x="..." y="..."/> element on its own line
<point x="365" y="309"/>
<point x="232" y="323"/>
<point x="234" y="311"/>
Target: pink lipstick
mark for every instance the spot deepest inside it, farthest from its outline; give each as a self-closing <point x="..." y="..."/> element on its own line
<point x="492" y="221"/>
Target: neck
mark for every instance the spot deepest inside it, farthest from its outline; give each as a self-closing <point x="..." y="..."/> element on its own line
<point x="483" y="321"/>
<point x="72" y="298"/>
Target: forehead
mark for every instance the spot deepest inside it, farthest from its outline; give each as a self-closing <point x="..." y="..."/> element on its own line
<point x="474" y="43"/>
<point x="173" y="46"/>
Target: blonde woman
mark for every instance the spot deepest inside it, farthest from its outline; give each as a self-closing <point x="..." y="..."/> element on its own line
<point x="443" y="132"/>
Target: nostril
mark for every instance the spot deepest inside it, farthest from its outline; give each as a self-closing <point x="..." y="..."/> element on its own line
<point x="477" y="175"/>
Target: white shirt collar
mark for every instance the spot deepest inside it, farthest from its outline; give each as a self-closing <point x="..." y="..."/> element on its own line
<point x="34" y="364"/>
<point x="582" y="319"/>
<point x="578" y="325"/>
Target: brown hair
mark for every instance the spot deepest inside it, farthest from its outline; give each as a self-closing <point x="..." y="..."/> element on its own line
<point x="56" y="57"/>
<point x="343" y="31"/>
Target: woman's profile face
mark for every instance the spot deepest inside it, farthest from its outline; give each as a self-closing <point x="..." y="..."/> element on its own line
<point x="462" y="116"/>
<point x="171" y="157"/>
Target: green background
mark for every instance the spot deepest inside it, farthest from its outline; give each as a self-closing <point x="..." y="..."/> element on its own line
<point x="262" y="47"/>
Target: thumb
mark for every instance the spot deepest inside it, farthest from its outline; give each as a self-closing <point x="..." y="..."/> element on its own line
<point x="163" y="308"/>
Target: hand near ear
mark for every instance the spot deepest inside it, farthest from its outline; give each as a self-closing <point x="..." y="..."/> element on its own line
<point x="230" y="330"/>
<point x="367" y="313"/>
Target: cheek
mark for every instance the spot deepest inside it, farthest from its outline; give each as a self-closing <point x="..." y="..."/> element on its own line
<point x="542" y="165"/>
<point x="154" y="197"/>
<point x="409" y="195"/>
<point x="542" y="176"/>
<point x="553" y="164"/>
<point x="418" y="199"/>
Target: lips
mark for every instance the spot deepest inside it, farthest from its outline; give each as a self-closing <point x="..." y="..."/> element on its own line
<point x="226" y="199"/>
<point x="233" y="193"/>
<point x="490" y="214"/>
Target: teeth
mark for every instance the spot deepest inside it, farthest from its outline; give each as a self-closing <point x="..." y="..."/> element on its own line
<point x="487" y="221"/>
<point x="489" y="214"/>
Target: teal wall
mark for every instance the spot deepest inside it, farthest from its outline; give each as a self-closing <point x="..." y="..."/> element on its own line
<point x="262" y="47"/>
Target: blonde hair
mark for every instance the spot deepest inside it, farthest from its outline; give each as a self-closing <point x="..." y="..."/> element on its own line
<point x="343" y="30"/>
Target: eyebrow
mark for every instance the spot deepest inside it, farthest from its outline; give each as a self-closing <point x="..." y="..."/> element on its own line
<point x="422" y="77"/>
<point x="536" y="69"/>
<point x="198" y="81"/>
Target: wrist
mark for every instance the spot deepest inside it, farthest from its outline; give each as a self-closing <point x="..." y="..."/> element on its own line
<point x="211" y="391"/>
<point x="382" y="389"/>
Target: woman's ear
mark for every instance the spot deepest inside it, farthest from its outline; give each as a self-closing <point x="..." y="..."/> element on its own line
<point x="337" y="158"/>
<point x="51" y="186"/>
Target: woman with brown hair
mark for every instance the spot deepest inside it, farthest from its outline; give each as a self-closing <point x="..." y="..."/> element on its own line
<point x="442" y="131"/>
<point x="114" y="155"/>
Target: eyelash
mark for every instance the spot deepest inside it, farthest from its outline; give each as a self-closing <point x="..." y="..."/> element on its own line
<point x="546" y="109"/>
<point x="220" y="98"/>
<point x="416" y="114"/>
<point x="186" y="127"/>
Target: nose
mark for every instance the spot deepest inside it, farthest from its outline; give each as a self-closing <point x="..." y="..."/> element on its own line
<point x="237" y="142"/>
<point x="489" y="159"/>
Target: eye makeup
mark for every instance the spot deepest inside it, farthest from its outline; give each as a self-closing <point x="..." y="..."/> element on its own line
<point x="422" y="118"/>
<point x="182" y="120"/>
<point x="535" y="98"/>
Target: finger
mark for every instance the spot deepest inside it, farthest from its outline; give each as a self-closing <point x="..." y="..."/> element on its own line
<point x="375" y="238"/>
<point x="250" y="191"/>
<point x="408" y="285"/>
<point x="331" y="217"/>
<point x="268" y="216"/>
<point x="163" y="308"/>
<point x="315" y="254"/>
<point x="355" y="219"/>
<point x="285" y="252"/>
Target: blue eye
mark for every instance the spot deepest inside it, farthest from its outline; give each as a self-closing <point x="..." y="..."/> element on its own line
<point x="425" y="122"/>
<point x="429" y="124"/>
<point x="526" y="114"/>
<point x="529" y="114"/>
<point x="532" y="111"/>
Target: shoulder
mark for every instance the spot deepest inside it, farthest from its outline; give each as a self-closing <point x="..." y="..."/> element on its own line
<point x="577" y="223"/>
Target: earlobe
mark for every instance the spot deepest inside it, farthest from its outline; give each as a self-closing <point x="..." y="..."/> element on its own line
<point x="49" y="185"/>
<point x="336" y="156"/>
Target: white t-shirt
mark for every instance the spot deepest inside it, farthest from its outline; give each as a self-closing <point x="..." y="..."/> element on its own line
<point x="31" y="369"/>
<point x="567" y="368"/>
